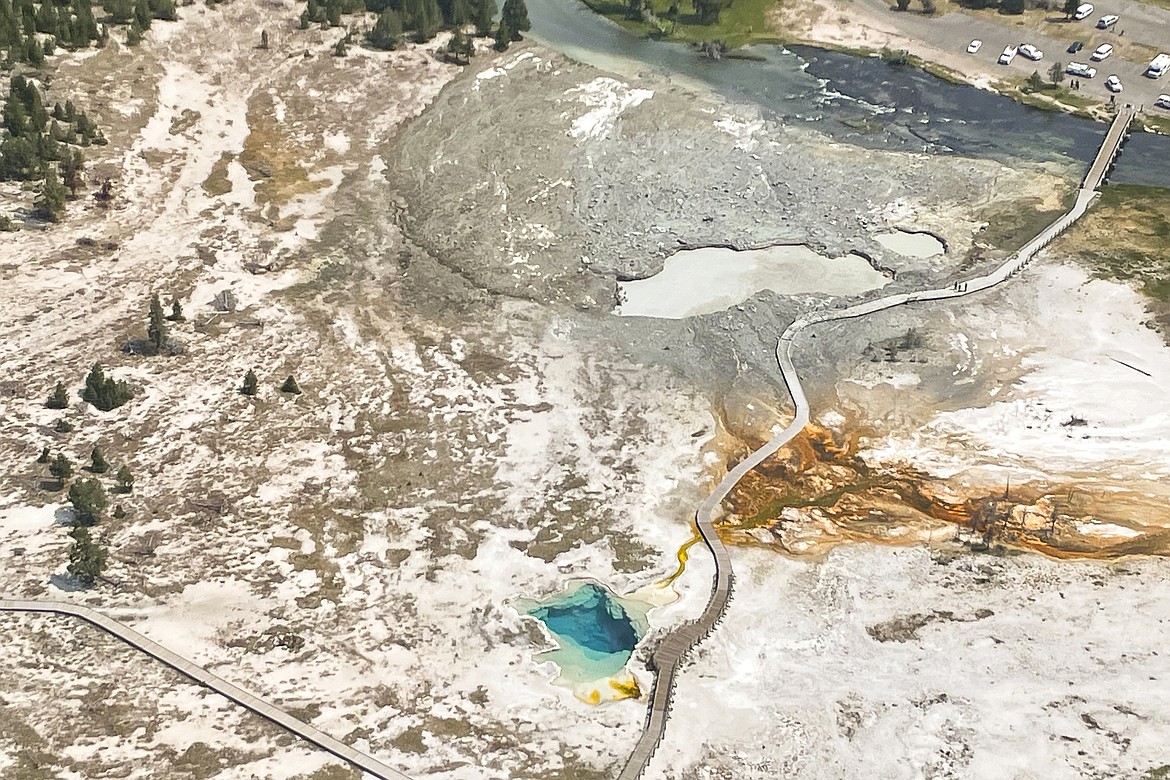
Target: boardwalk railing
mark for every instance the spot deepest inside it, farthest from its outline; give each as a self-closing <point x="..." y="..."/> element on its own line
<point x="676" y="645"/>
<point x="362" y="761"/>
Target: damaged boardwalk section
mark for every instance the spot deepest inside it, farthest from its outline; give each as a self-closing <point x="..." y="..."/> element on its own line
<point x="671" y="652"/>
<point x="362" y="761"/>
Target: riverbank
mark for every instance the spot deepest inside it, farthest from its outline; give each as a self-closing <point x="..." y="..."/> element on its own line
<point x="934" y="43"/>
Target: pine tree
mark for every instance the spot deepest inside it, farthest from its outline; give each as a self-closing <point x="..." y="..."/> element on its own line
<point x="427" y="21"/>
<point x="457" y="47"/>
<point x="45" y="456"/>
<point x="51" y="203"/>
<point x="142" y="14"/>
<point x="339" y="49"/>
<point x="119" y="512"/>
<point x="87" y="559"/>
<point x="59" y="399"/>
<point x="125" y="479"/>
<point x="156" y="328"/>
<point x="503" y="36"/>
<point x="515" y="13"/>
<point x="134" y="35"/>
<point x="63" y="426"/>
<point x="176" y="314"/>
<point x="98" y="464"/>
<point x="251" y="383"/>
<point x="263" y="39"/>
<point x="71" y="167"/>
<point x="484" y="14"/>
<point x="88" y="500"/>
<point x="387" y="32"/>
<point x="290" y="386"/>
<point x="103" y="392"/>
<point x="61" y="468"/>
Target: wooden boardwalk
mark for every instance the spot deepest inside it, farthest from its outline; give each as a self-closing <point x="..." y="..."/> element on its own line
<point x="671" y="652"/>
<point x="674" y="647"/>
<point x="362" y="761"/>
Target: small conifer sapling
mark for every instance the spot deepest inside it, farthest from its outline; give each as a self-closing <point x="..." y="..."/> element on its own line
<point x="156" y="328"/>
<point x="125" y="479"/>
<point x="59" y="399"/>
<point x="61" y="468"/>
<point x="251" y="383"/>
<point x="87" y="559"/>
<point x="45" y="456"/>
<point x="290" y="386"/>
<point x="98" y="464"/>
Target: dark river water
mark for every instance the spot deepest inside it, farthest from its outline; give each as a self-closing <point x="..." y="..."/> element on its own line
<point x="860" y="99"/>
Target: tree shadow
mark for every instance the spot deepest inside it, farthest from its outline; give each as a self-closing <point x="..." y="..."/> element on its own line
<point x="66" y="583"/>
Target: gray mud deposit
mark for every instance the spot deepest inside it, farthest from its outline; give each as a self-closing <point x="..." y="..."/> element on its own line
<point x="497" y="183"/>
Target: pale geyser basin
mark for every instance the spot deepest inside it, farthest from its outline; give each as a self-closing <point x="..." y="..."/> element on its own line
<point x="909" y="244"/>
<point x="704" y="281"/>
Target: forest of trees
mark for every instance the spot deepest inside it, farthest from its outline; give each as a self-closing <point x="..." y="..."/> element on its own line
<point x="29" y="31"/>
<point x="43" y="144"/>
<point x="421" y="20"/>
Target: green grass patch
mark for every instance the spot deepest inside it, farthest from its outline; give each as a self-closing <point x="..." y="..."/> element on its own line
<point x="1013" y="224"/>
<point x="1126" y="237"/>
<point x="744" y="22"/>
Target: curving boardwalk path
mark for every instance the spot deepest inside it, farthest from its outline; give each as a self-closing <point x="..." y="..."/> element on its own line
<point x="674" y="647"/>
<point x="362" y="761"/>
<point x="672" y="650"/>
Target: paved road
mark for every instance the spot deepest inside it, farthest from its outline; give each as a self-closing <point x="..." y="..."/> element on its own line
<point x="366" y="763"/>
<point x="672" y="650"/>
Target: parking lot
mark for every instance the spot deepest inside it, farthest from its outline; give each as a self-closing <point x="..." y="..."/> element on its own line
<point x="1141" y="32"/>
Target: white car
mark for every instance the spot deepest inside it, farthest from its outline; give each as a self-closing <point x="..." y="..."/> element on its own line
<point x="1009" y="54"/>
<point x="1107" y="21"/>
<point x="1113" y="84"/>
<point x="1080" y="71"/>
<point x="1163" y="101"/>
<point x="1101" y="52"/>
<point x="1031" y="52"/>
<point x="974" y="46"/>
<point x="1083" y="11"/>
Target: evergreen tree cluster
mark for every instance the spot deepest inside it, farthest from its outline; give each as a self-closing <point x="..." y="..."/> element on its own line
<point x="105" y="392"/>
<point x="421" y="18"/>
<point x="87" y="558"/>
<point x="42" y="144"/>
<point x="32" y="29"/>
<point x="29" y="30"/>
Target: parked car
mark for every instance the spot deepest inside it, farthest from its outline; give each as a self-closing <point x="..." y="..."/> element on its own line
<point x="1163" y="101"/>
<point x="1031" y="52"/>
<point x="1107" y="21"/>
<point x="1083" y="11"/>
<point x="1101" y="52"/>
<point x="1113" y="84"/>
<point x="1080" y="71"/>
<point x="1009" y="54"/>
<point x="974" y="46"/>
<point x="1075" y="46"/>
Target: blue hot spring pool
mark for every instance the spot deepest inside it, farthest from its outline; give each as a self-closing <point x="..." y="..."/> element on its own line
<point x="595" y="628"/>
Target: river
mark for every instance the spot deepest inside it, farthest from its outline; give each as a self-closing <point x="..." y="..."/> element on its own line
<point x="862" y="100"/>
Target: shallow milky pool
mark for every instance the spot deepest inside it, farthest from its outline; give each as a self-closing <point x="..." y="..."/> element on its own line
<point x="910" y="244"/>
<point x="703" y="281"/>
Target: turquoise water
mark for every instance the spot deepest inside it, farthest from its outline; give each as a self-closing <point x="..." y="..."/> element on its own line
<point x="596" y="630"/>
